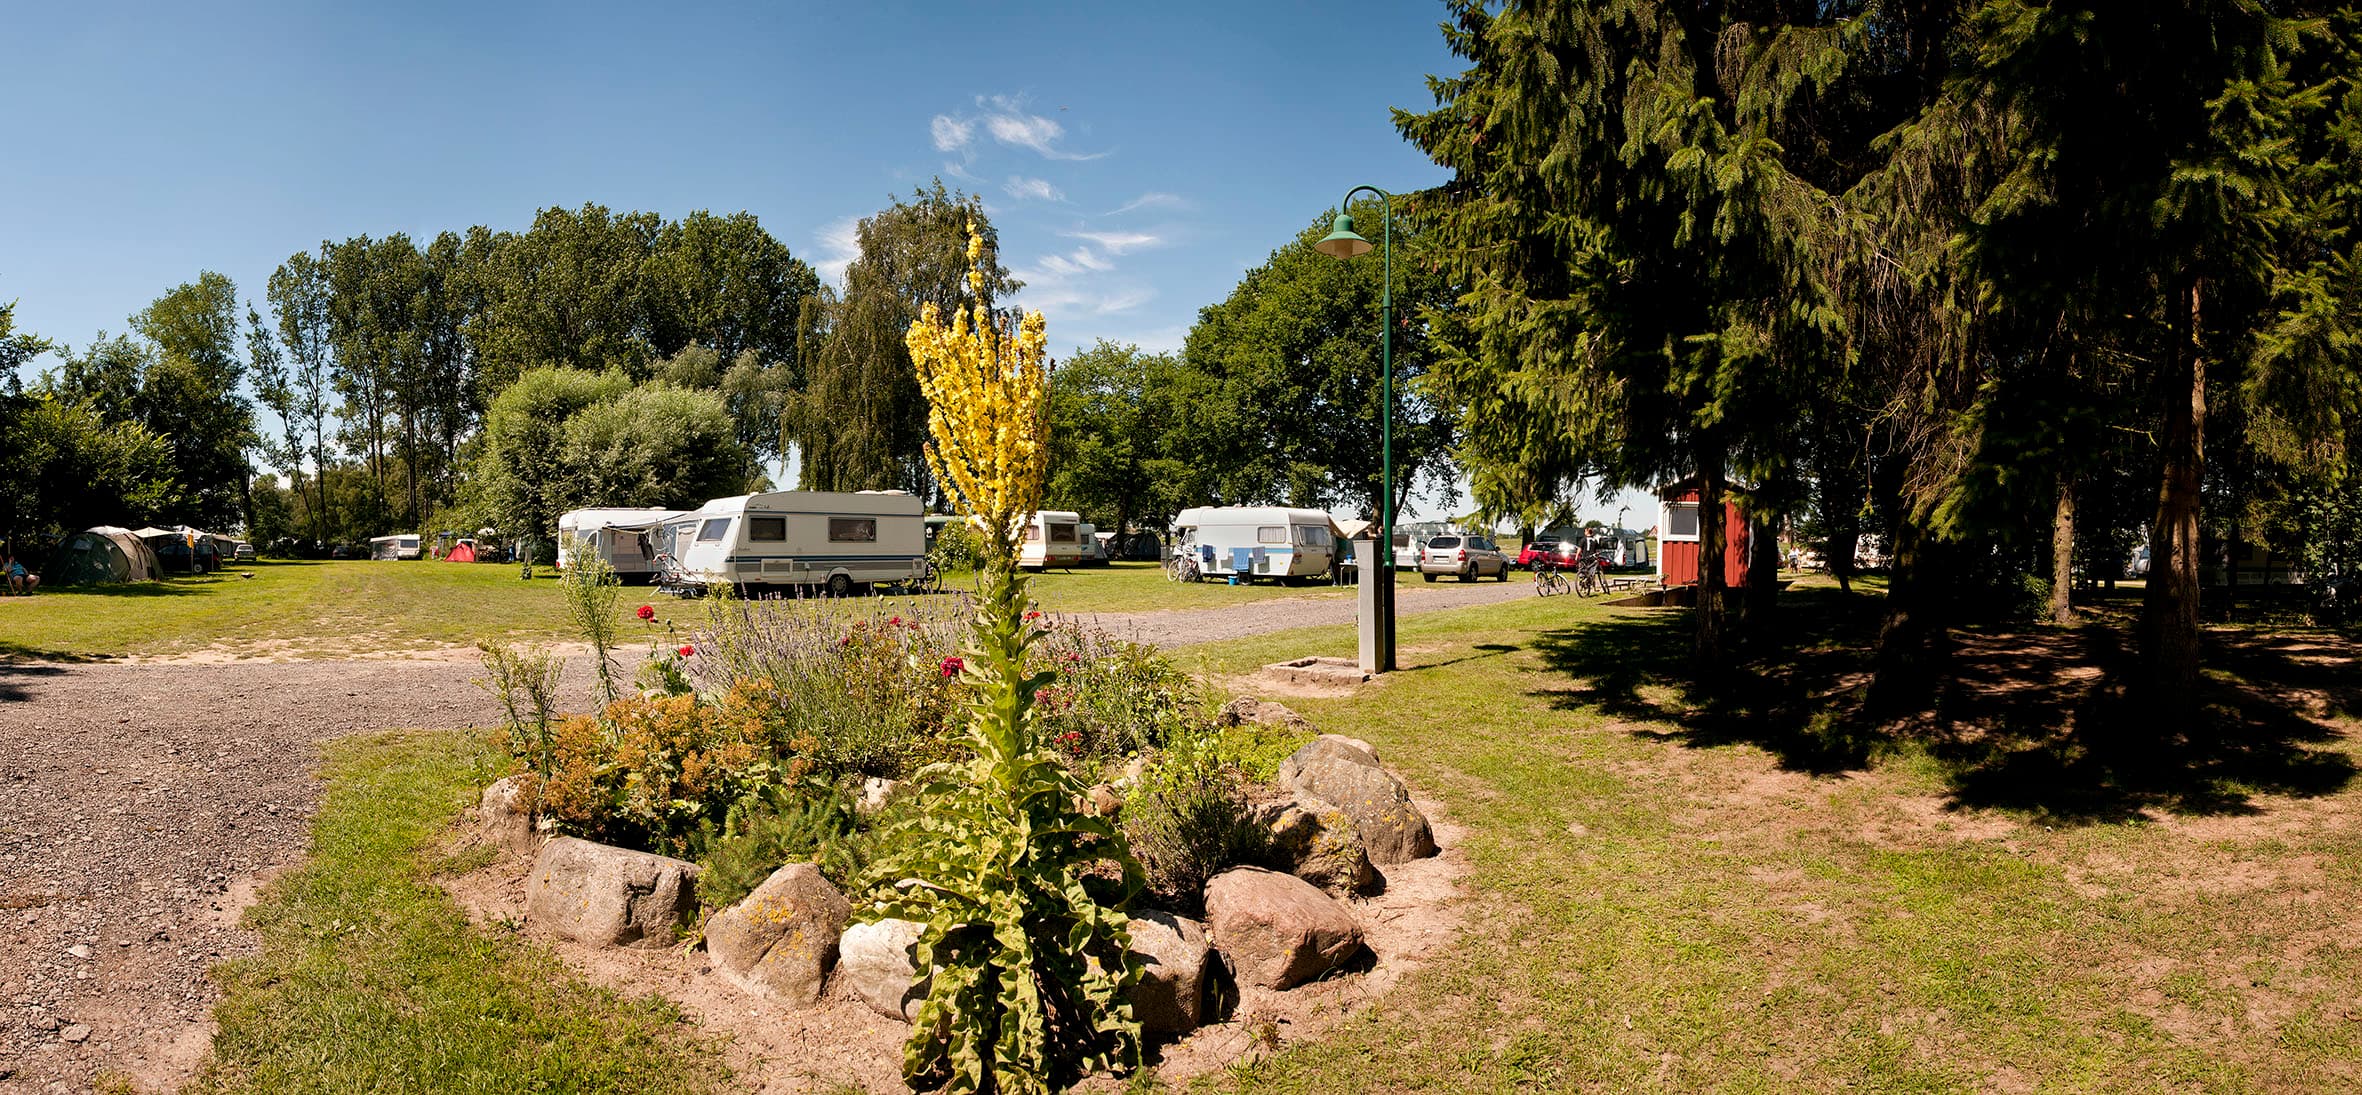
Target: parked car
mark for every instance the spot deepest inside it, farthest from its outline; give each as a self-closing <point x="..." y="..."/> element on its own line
<point x="244" y="553"/>
<point x="1470" y="557"/>
<point x="1539" y="549"/>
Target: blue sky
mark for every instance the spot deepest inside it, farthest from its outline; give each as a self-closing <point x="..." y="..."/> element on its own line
<point x="1136" y="158"/>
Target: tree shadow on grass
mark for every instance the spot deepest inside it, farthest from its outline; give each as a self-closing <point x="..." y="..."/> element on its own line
<point x="2031" y="720"/>
<point x="162" y="587"/>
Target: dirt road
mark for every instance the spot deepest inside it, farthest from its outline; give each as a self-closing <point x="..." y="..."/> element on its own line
<point x="139" y="804"/>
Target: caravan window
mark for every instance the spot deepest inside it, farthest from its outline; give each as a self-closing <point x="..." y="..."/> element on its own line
<point x="766" y="528"/>
<point x="852" y="530"/>
<point x="713" y="529"/>
<point x="1062" y="534"/>
<point x="1271" y="534"/>
<point x="1312" y="536"/>
<point x="1033" y="534"/>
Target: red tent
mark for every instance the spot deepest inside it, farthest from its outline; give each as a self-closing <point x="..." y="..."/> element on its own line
<point x="462" y="552"/>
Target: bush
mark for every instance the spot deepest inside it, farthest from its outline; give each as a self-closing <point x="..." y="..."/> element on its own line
<point x="958" y="546"/>
<point x="812" y="823"/>
<point x="1112" y="698"/>
<point x="663" y="770"/>
<point x="1187" y="820"/>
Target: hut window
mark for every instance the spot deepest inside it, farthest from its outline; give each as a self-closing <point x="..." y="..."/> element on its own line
<point x="852" y="530"/>
<point x="769" y="529"/>
<point x="1681" y="520"/>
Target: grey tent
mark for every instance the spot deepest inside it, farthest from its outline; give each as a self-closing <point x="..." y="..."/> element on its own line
<point x="102" y="554"/>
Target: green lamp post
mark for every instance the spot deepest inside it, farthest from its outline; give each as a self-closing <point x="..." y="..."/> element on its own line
<point x="1377" y="638"/>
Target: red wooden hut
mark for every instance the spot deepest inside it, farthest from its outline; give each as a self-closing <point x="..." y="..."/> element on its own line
<point x="1678" y="549"/>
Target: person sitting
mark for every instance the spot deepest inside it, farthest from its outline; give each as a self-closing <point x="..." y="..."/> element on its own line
<point x="19" y="579"/>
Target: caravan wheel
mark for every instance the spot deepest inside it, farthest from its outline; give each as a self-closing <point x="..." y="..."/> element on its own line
<point x="840" y="585"/>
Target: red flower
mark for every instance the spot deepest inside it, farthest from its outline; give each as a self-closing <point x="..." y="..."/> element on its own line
<point x="647" y="612"/>
<point x="952" y="667"/>
<point x="1030" y="615"/>
<point x="687" y="650"/>
<point x="895" y="622"/>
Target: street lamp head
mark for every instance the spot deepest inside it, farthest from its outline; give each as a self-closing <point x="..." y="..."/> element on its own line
<point x="1342" y="241"/>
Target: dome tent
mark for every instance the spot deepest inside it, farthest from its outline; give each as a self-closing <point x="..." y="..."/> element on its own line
<point x="97" y="555"/>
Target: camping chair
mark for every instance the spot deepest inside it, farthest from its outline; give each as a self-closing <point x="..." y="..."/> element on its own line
<point x="670" y="578"/>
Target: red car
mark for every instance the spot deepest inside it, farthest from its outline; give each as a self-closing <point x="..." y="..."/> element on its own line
<point x="1539" y="549"/>
<point x="1558" y="553"/>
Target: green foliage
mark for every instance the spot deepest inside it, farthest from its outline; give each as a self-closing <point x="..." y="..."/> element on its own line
<point x="1019" y="893"/>
<point x="1186" y="818"/>
<point x="1279" y="399"/>
<point x="526" y="684"/>
<point x="812" y="822"/>
<point x="662" y="773"/>
<point x="958" y="546"/>
<point x="561" y="439"/>
<point x="859" y="422"/>
<point x="1109" y="698"/>
<point x="592" y="590"/>
<point x="63" y="467"/>
<point x="1113" y="411"/>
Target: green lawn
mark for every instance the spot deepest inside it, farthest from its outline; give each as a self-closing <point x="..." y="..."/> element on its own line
<point x="372" y="979"/>
<point x="1663" y="895"/>
<point x="331" y="609"/>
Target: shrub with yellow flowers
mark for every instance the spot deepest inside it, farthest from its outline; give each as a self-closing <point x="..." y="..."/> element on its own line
<point x="1019" y="891"/>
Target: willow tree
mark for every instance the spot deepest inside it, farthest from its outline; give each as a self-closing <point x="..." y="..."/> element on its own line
<point x="1643" y="216"/>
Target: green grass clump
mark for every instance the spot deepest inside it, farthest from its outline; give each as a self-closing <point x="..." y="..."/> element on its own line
<point x="372" y="979"/>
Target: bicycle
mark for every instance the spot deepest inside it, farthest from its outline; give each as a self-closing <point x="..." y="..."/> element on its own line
<point x="1588" y="580"/>
<point x="1181" y="568"/>
<point x="1548" y="581"/>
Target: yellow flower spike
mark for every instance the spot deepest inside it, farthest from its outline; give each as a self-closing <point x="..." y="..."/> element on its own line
<point x="984" y="385"/>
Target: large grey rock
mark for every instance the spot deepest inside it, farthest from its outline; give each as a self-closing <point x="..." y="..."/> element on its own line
<point x="607" y="896"/>
<point x="1276" y="929"/>
<point x="1177" y="961"/>
<point x="1346" y="773"/>
<point x="874" y="961"/>
<point x="780" y="940"/>
<point x="1319" y="843"/>
<point x="506" y="814"/>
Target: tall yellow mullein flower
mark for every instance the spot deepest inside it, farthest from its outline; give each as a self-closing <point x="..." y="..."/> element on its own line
<point x="986" y="392"/>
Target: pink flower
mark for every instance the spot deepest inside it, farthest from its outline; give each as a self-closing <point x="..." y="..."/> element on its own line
<point x="687" y="650"/>
<point x="952" y="667"/>
<point x="647" y="612"/>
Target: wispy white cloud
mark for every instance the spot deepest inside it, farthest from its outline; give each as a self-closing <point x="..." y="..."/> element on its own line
<point x="1079" y="282"/>
<point x="951" y="134"/>
<point x="840" y="244"/>
<point x="1010" y="123"/>
<point x="1021" y="187"/>
<point x="1117" y="243"/>
<point x="1154" y="199"/>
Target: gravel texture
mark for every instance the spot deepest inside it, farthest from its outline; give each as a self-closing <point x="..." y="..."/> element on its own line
<point x="142" y="804"/>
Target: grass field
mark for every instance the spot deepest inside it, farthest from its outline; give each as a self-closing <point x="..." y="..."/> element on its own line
<point x="372" y="979"/>
<point x="1668" y="895"/>
<point x="332" y="609"/>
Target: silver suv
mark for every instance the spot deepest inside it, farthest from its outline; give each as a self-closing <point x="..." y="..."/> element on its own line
<point x="1470" y="557"/>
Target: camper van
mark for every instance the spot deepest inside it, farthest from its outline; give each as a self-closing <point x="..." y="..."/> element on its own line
<point x="626" y="538"/>
<point x="1093" y="543"/>
<point x="1053" y="538"/>
<point x="395" y="547"/>
<point x="800" y="538"/>
<point x="1247" y="542"/>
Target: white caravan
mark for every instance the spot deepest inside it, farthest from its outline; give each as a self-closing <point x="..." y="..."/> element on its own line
<point x="395" y="547"/>
<point x="1053" y="538"/>
<point x="802" y="538"/>
<point x="1246" y="542"/>
<point x="626" y="538"/>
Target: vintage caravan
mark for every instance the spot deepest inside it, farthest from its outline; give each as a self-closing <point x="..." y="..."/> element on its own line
<point x="626" y="538"/>
<point x="798" y="538"/>
<point x="1053" y="538"/>
<point x="404" y="546"/>
<point x="1247" y="542"/>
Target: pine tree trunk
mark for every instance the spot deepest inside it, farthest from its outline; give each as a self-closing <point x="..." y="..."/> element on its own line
<point x="2062" y="554"/>
<point x="2169" y="620"/>
<point x="1707" y="653"/>
<point x="1909" y="651"/>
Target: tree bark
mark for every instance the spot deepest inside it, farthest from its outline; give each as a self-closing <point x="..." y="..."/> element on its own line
<point x="2062" y="554"/>
<point x="1910" y="652"/>
<point x="2169" y="619"/>
<point x="1707" y="651"/>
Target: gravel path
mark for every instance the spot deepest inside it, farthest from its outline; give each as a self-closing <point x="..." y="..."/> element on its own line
<point x="140" y="804"/>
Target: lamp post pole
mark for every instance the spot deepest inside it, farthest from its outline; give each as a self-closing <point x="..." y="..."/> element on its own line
<point x="1343" y="242"/>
